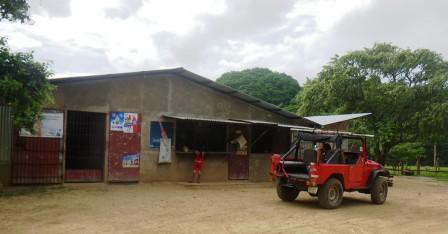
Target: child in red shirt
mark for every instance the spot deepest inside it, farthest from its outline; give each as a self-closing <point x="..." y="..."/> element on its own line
<point x="197" y="166"/>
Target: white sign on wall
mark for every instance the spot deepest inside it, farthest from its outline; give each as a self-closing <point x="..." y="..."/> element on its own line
<point x="51" y="125"/>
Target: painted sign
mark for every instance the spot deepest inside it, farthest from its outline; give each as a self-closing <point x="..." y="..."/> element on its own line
<point x="130" y="160"/>
<point x="130" y="123"/>
<point x="155" y="133"/>
<point x="51" y="125"/>
<point x="116" y="121"/>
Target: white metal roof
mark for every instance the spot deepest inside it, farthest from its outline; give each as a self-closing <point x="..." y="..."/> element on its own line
<point x="330" y="132"/>
<point x="331" y="119"/>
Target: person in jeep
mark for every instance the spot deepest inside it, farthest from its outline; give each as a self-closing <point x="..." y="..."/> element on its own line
<point x="323" y="152"/>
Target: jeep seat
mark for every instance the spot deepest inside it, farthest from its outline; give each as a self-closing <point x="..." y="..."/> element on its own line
<point x="309" y="155"/>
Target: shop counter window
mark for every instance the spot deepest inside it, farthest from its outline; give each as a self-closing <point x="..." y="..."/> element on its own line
<point x="198" y="135"/>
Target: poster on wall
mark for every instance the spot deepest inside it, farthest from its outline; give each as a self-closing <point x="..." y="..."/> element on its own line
<point x="51" y="125"/>
<point x="116" y="121"/>
<point x="124" y="122"/>
<point x="130" y="123"/>
<point x="131" y="161"/>
<point x="155" y="133"/>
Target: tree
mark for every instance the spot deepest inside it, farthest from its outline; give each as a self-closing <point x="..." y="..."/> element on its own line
<point x="407" y="92"/>
<point x="273" y="87"/>
<point x="14" y="10"/>
<point x="23" y="82"/>
<point x="404" y="152"/>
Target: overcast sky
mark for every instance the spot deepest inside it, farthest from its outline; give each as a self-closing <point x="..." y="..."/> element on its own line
<point x="210" y="37"/>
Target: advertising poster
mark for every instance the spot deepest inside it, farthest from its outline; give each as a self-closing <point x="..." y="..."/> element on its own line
<point x="51" y="125"/>
<point x="130" y="123"/>
<point x="131" y="161"/>
<point x="155" y="133"/>
<point x="116" y="121"/>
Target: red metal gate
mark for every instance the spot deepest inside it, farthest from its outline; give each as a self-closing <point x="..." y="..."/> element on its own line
<point x="124" y="153"/>
<point x="239" y="153"/>
<point x="36" y="160"/>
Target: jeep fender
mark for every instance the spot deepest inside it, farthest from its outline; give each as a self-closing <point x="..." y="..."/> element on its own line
<point x="374" y="174"/>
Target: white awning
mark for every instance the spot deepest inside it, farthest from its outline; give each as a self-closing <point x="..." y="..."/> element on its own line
<point x="331" y="119"/>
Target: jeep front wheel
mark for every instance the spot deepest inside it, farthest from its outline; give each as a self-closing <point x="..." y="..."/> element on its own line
<point x="286" y="193"/>
<point x="331" y="194"/>
<point x="378" y="192"/>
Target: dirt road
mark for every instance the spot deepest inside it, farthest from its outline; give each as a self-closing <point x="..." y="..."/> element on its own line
<point x="413" y="206"/>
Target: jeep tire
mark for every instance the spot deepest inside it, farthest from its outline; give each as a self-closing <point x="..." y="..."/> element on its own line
<point x="286" y="193"/>
<point x="378" y="192"/>
<point x="331" y="194"/>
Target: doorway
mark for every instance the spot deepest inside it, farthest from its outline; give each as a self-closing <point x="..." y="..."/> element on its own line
<point x="85" y="146"/>
<point x="239" y="152"/>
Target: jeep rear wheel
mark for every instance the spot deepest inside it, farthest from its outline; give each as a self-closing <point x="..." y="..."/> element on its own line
<point x="379" y="190"/>
<point x="286" y="193"/>
<point x="331" y="194"/>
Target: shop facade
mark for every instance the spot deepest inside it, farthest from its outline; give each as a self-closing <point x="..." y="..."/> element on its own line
<point x="109" y="128"/>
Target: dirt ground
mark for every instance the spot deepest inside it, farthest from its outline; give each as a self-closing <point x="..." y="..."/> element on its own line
<point x="413" y="206"/>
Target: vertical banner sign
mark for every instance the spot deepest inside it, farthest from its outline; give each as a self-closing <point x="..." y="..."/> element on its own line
<point x="165" y="146"/>
<point x="165" y="150"/>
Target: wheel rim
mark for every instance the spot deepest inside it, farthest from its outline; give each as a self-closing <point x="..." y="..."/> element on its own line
<point x="333" y="194"/>
<point x="383" y="191"/>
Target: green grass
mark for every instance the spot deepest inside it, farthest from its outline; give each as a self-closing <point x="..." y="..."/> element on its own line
<point x="31" y="190"/>
<point x="427" y="171"/>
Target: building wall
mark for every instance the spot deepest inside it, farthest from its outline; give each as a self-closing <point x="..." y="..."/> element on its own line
<point x="157" y="95"/>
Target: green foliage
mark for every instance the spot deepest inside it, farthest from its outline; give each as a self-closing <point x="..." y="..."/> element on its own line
<point x="407" y="151"/>
<point x="14" y="10"/>
<point x="23" y="81"/>
<point x="407" y="92"/>
<point x="23" y="85"/>
<point x="273" y="87"/>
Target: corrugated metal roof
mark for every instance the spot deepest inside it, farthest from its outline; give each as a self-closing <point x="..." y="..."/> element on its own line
<point x="252" y="121"/>
<point x="331" y="119"/>
<point x="181" y="72"/>
<point x="203" y="119"/>
<point x="330" y="132"/>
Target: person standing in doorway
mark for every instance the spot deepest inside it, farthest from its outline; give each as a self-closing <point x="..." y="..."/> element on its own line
<point x="197" y="166"/>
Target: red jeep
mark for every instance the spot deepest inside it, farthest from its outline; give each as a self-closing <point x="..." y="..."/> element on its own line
<point x="327" y="164"/>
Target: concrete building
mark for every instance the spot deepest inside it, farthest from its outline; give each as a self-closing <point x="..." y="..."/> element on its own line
<point x="111" y="129"/>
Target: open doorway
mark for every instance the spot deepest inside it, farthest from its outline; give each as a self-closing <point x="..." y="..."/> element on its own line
<point x="85" y="146"/>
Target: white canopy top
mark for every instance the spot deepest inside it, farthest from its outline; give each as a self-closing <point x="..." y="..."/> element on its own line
<point x="331" y="119"/>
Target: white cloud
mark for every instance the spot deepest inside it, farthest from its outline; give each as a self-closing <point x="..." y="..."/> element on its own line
<point x="20" y="41"/>
<point x="214" y="36"/>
